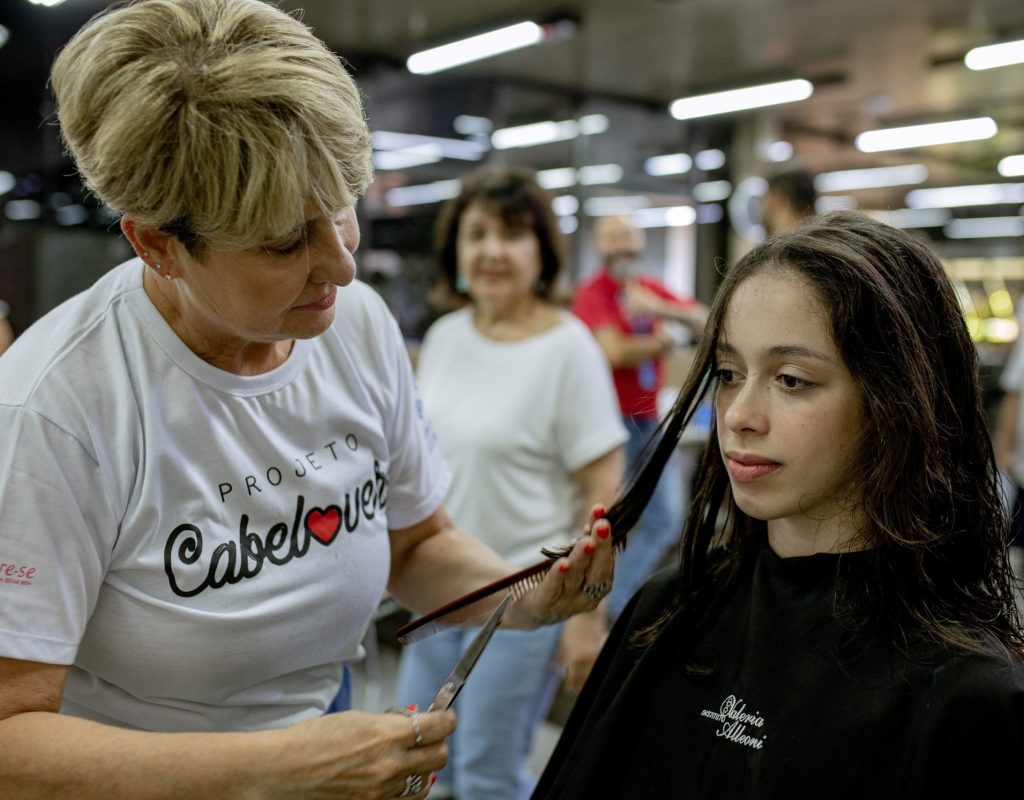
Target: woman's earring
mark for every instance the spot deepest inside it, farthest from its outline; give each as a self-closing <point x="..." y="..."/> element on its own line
<point x="541" y="286"/>
<point x="461" y="286"/>
<point x="165" y="275"/>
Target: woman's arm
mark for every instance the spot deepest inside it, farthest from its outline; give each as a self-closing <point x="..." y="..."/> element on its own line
<point x="348" y="755"/>
<point x="433" y="562"/>
<point x="584" y="634"/>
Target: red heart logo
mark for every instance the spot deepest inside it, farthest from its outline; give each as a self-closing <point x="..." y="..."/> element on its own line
<point x="325" y="523"/>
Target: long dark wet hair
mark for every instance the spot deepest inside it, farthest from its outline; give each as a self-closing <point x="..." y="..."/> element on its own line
<point x="936" y="567"/>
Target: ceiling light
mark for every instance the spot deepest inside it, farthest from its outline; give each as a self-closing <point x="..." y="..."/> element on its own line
<point x="913" y="217"/>
<point x="537" y="133"/>
<point x="47" y="3"/>
<point x="559" y="178"/>
<point x="474" y="48"/>
<point x="469" y="125"/>
<point x="712" y="191"/>
<point x="614" y="206"/>
<point x="1011" y="166"/>
<point x="850" y="180"/>
<point x="407" y="158"/>
<point x="982" y="194"/>
<point x="670" y="164"/>
<point x="461" y="149"/>
<point x="835" y="202"/>
<point x="7" y="181"/>
<point x="4" y="35"/>
<point x="995" y="55"/>
<point x="568" y="224"/>
<point x="710" y="213"/>
<point x="779" y="151"/>
<point x="600" y="173"/>
<point x="769" y="94"/>
<point x="565" y="205"/>
<point x="984" y="227"/>
<point x="423" y="193"/>
<point x="23" y="209"/>
<point x="960" y="130"/>
<point x="708" y="160"/>
<point x="665" y="217"/>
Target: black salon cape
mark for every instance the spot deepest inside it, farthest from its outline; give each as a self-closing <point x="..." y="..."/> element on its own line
<point x="780" y="716"/>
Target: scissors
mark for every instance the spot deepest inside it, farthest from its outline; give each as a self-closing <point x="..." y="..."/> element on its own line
<point x="457" y="677"/>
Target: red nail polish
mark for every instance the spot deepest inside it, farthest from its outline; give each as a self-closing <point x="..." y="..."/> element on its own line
<point x="433" y="778"/>
<point x="589" y="549"/>
<point x="563" y="567"/>
<point x="602" y="531"/>
<point x="411" y="707"/>
<point x="598" y="512"/>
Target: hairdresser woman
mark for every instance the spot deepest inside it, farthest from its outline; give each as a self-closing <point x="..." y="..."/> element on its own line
<point x="212" y="462"/>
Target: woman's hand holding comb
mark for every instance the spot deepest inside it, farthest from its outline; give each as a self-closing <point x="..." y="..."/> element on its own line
<point x="575" y="582"/>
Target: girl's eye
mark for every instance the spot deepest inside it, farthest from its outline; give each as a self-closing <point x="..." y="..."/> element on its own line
<point x="725" y="376"/>
<point x="793" y="383"/>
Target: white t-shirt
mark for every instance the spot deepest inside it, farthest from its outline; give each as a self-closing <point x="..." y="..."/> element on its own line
<point x="515" y="420"/>
<point x="205" y="549"/>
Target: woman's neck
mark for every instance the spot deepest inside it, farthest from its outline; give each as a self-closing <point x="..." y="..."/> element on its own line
<point x="841" y="533"/>
<point x="514" y="321"/>
<point x="233" y="354"/>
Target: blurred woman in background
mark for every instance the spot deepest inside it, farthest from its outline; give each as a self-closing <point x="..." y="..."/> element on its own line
<point x="524" y="408"/>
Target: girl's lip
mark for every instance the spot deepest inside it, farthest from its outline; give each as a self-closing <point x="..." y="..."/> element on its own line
<point x="324" y="302"/>
<point x="750" y="469"/>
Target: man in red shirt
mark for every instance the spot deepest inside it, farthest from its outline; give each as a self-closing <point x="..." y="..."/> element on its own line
<point x="625" y="310"/>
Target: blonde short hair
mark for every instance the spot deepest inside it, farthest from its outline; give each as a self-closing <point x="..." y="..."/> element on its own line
<point x="220" y="121"/>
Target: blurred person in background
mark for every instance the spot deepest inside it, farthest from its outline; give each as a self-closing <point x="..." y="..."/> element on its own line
<point x="6" y="331"/>
<point x="841" y="623"/>
<point x="213" y="462"/>
<point x="524" y="409"/>
<point x="788" y="201"/>
<point x="626" y="309"/>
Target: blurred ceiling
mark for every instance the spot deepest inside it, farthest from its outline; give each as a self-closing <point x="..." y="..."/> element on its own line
<point x="874" y="64"/>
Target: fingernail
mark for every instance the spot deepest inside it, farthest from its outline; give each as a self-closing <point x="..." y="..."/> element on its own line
<point x="589" y="548"/>
<point x="433" y="778"/>
<point x="563" y="567"/>
<point x="603" y="530"/>
<point x="598" y="512"/>
<point x="412" y="707"/>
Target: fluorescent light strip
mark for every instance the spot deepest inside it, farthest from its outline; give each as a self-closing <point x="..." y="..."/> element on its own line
<point x="669" y="164"/>
<point x="712" y="191"/>
<point x="960" y="130"/>
<point x="475" y="48"/>
<point x="835" y="202"/>
<point x="709" y="160"/>
<point x="1011" y="166"/>
<point x="984" y="227"/>
<point x="769" y="94"/>
<point x="982" y="194"/>
<point x="850" y="180"/>
<point x="559" y="178"/>
<point x="565" y="205"/>
<point x="913" y="217"/>
<point x="385" y="160"/>
<point x="614" y="206"/>
<point x="537" y="133"/>
<point x="600" y="173"/>
<point x="461" y="149"/>
<point x="665" y="217"/>
<point x="423" y="193"/>
<point x="995" y="55"/>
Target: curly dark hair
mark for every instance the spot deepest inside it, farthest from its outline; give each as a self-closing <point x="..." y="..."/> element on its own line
<point x="513" y="194"/>
<point x="937" y="532"/>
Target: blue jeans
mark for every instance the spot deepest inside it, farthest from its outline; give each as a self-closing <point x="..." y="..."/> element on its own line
<point x="506" y="697"/>
<point x="659" y="527"/>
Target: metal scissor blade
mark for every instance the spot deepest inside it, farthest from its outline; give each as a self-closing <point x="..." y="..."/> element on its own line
<point x="457" y="677"/>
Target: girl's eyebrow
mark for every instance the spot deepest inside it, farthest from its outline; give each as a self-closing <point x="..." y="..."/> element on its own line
<point x="781" y="351"/>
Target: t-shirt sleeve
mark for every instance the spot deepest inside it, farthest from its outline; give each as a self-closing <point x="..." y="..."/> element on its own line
<point x="662" y="291"/>
<point x="595" y="309"/>
<point x="419" y="477"/>
<point x="56" y="536"/>
<point x="588" y="420"/>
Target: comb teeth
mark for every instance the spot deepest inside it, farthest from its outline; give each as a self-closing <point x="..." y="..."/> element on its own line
<point x="524" y="586"/>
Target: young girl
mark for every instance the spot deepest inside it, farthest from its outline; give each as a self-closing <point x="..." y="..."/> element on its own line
<point x="842" y="621"/>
